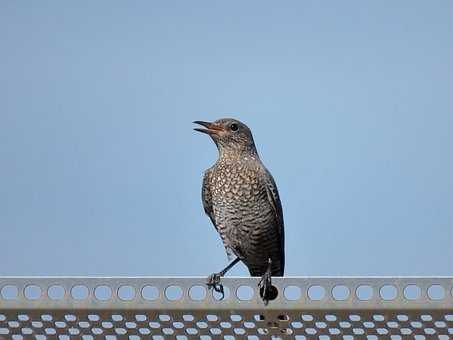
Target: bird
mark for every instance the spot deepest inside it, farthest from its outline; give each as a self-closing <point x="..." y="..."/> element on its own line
<point x="242" y="201"/>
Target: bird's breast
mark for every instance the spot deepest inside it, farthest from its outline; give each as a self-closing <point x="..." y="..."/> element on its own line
<point x="238" y="195"/>
<point x="239" y="184"/>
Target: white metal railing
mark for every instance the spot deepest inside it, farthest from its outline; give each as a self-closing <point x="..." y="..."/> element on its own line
<point x="182" y="308"/>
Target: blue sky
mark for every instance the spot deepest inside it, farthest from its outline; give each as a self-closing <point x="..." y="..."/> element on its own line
<point x="350" y="104"/>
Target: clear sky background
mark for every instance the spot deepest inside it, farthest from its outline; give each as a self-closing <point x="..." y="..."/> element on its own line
<point x="350" y="103"/>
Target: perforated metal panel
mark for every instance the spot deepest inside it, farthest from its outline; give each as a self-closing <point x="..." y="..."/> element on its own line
<point x="182" y="308"/>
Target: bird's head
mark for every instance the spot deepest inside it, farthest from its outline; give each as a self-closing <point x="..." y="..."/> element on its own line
<point x="230" y="135"/>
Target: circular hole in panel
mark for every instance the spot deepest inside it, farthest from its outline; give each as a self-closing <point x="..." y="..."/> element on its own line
<point x="144" y="331"/>
<point x="56" y="292"/>
<point x="283" y="317"/>
<point x="79" y="292"/>
<point x="97" y="331"/>
<point x="239" y="331"/>
<point x="388" y="292"/>
<point x="430" y="331"/>
<point x="212" y="317"/>
<point x="32" y="292"/>
<point x="320" y="325"/>
<point x="436" y="292"/>
<point x="60" y="324"/>
<point x="310" y="331"/>
<point x="9" y="292"/>
<point x="27" y="331"/>
<point x="192" y="331"/>
<point x="316" y="293"/>
<point x="426" y="317"/>
<point x="23" y="317"/>
<point x="215" y="331"/>
<point x="46" y="317"/>
<point x="173" y="293"/>
<point x="117" y="317"/>
<point x="405" y="331"/>
<point x="248" y="324"/>
<point x="106" y="324"/>
<point x="164" y="317"/>
<point x="412" y="292"/>
<point x="94" y="317"/>
<point x="354" y="317"/>
<point x="120" y="331"/>
<point x="188" y="317"/>
<point x="334" y="331"/>
<point x="218" y="296"/>
<point x="84" y="324"/>
<point x="402" y="317"/>
<point x="364" y="292"/>
<point x="340" y="292"/>
<point x="70" y="317"/>
<point x="178" y="325"/>
<point x="197" y="293"/>
<point x="140" y="317"/>
<point x="150" y="293"/>
<point x="359" y="331"/>
<point x="296" y="324"/>
<point x="392" y="324"/>
<point x="245" y="293"/>
<point x="292" y="293"/>
<point x="131" y="325"/>
<point x="154" y="325"/>
<point x="126" y="293"/>
<point x="271" y="293"/>
<point x="259" y="317"/>
<point x="330" y="317"/>
<point x="413" y="325"/>
<point x="50" y="331"/>
<point x="235" y="317"/>
<point x="378" y="317"/>
<point x="224" y="324"/>
<point x="307" y="317"/>
<point x="103" y="293"/>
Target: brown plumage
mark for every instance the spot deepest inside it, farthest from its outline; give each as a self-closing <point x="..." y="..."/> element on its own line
<point x="241" y="199"/>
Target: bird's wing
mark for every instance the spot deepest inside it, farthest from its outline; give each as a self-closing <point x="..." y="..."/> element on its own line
<point x="206" y="197"/>
<point x="274" y="199"/>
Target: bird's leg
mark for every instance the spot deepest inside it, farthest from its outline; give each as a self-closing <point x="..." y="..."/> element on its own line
<point x="266" y="289"/>
<point x="214" y="279"/>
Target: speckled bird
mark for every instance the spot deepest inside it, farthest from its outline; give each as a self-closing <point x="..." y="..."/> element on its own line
<point x="240" y="197"/>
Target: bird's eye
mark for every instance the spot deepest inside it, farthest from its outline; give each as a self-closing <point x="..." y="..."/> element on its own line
<point x="234" y="127"/>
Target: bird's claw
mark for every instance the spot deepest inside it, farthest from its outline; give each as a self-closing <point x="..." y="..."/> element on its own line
<point x="265" y="285"/>
<point x="214" y="283"/>
<point x="267" y="290"/>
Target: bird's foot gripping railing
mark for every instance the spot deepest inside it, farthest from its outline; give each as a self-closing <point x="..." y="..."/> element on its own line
<point x="182" y="308"/>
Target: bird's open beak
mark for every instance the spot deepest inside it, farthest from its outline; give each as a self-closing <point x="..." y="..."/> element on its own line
<point x="211" y="128"/>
